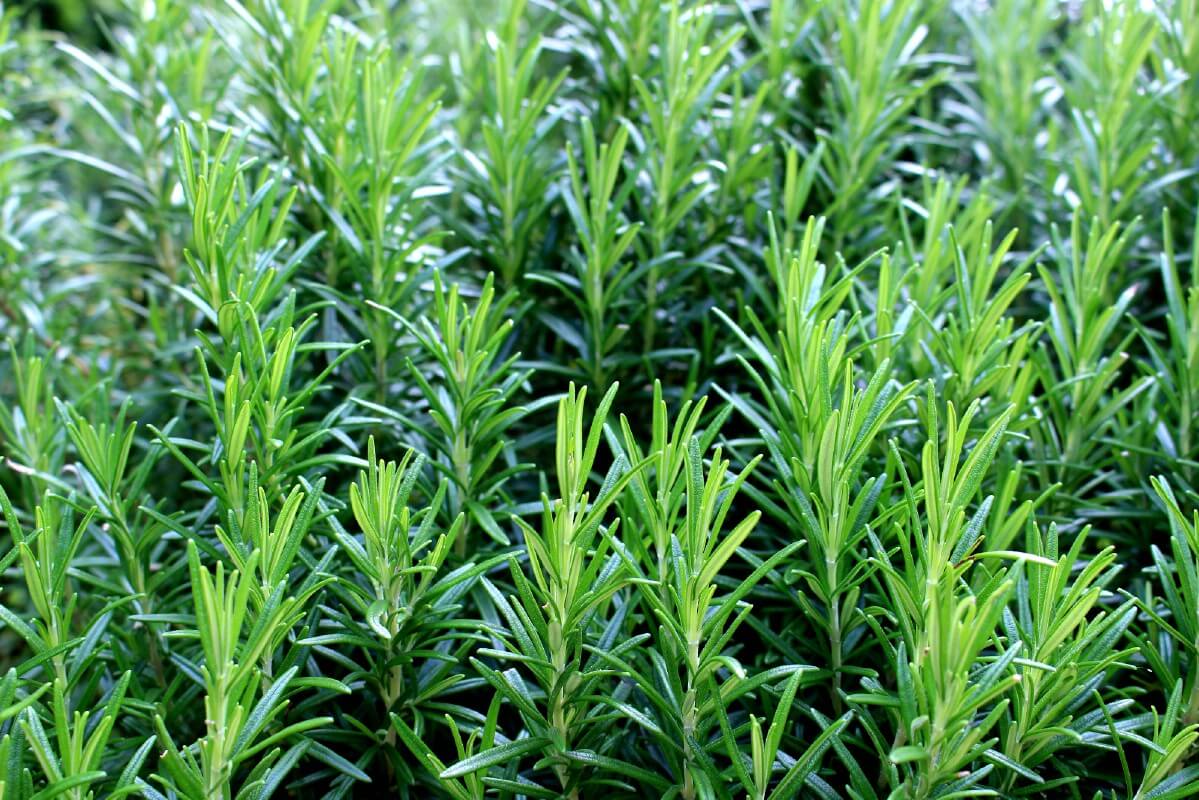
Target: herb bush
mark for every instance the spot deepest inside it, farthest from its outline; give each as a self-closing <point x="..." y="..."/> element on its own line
<point x="599" y="398"/>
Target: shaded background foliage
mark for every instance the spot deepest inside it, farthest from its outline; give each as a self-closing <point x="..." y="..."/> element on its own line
<point x="884" y="483"/>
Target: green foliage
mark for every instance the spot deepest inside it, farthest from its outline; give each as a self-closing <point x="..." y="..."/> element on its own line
<point x="892" y="314"/>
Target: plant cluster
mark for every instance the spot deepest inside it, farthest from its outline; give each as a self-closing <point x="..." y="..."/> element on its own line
<point x="599" y="399"/>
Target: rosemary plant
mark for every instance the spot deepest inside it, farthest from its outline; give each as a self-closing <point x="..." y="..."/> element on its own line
<point x="695" y="399"/>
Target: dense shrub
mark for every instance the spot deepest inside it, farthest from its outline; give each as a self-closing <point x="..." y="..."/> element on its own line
<point x="599" y="398"/>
